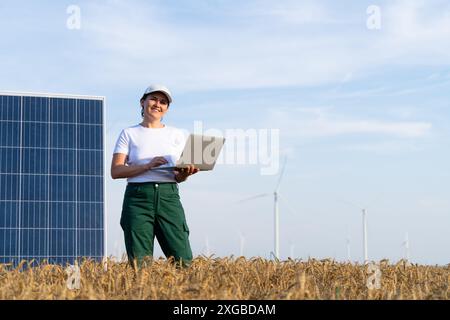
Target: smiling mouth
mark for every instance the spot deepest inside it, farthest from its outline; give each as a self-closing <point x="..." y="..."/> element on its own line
<point x="156" y="109"/>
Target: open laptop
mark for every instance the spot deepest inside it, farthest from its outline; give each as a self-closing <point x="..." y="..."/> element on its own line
<point x="200" y="151"/>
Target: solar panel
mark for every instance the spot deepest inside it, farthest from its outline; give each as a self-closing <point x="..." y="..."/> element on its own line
<point x="51" y="178"/>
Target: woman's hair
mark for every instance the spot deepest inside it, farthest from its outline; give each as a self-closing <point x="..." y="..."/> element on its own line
<point x="142" y="108"/>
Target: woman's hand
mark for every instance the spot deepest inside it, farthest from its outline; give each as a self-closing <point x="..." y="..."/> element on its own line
<point x="182" y="174"/>
<point x="156" y="162"/>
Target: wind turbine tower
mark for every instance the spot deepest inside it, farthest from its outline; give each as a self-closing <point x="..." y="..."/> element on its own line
<point x="291" y="251"/>
<point x="406" y="245"/>
<point x="241" y="244"/>
<point x="366" y="254"/>
<point x="207" y="246"/>
<point x="364" y="227"/>
<point x="276" y="213"/>
<point x="348" y="248"/>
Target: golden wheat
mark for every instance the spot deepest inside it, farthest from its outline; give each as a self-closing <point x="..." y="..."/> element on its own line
<point x="227" y="278"/>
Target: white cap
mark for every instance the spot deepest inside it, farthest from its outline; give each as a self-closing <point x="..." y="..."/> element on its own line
<point x="161" y="88"/>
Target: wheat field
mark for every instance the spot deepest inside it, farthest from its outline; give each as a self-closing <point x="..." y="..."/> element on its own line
<point x="228" y="278"/>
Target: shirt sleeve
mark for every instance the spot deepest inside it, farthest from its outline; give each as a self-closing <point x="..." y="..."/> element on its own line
<point x="123" y="143"/>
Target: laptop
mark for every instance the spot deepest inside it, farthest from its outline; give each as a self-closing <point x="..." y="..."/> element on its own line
<point x="200" y="151"/>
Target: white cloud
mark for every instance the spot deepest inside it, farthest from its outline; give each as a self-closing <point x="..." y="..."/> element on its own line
<point x="300" y="123"/>
<point x="226" y="55"/>
<point x="417" y="32"/>
<point x="292" y="12"/>
<point x="433" y="202"/>
<point x="218" y="55"/>
<point x="253" y="45"/>
<point x="336" y="127"/>
<point x="384" y="147"/>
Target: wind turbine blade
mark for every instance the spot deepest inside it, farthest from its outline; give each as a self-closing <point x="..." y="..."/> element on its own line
<point x="288" y="205"/>
<point x="253" y="197"/>
<point x="281" y="174"/>
<point x="373" y="201"/>
<point x="351" y="203"/>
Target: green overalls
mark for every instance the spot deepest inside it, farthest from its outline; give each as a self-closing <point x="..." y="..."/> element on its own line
<point x="154" y="209"/>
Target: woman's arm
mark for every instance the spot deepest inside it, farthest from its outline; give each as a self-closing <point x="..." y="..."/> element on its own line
<point x="120" y="170"/>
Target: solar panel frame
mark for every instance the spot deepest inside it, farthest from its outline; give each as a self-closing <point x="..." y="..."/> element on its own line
<point x="30" y="238"/>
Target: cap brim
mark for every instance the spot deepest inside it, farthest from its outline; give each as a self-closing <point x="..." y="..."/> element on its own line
<point x="162" y="91"/>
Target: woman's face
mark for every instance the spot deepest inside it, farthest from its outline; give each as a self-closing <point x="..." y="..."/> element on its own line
<point x="155" y="106"/>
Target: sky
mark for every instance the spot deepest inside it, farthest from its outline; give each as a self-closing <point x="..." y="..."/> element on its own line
<point x="357" y="91"/>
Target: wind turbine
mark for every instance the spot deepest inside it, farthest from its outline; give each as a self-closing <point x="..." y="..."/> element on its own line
<point x="348" y="246"/>
<point x="118" y="253"/>
<point x="207" y="246"/>
<point x="241" y="244"/>
<point x="364" y="217"/>
<point x="364" y="227"/>
<point x="291" y="250"/>
<point x="406" y="246"/>
<point x="276" y="212"/>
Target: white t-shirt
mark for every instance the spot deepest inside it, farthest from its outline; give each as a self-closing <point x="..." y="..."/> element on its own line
<point x="142" y="144"/>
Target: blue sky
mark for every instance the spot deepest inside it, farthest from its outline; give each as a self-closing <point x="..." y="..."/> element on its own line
<point x="363" y="114"/>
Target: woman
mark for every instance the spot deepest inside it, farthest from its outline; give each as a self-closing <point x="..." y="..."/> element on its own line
<point x="151" y="205"/>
